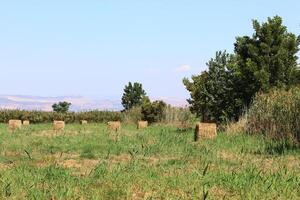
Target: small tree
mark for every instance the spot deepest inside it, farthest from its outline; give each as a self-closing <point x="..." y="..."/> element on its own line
<point x="61" y="107"/>
<point x="133" y="95"/>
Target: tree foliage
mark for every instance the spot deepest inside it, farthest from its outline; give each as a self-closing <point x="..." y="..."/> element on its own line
<point x="266" y="59"/>
<point x="61" y="107"/>
<point x="213" y="91"/>
<point x="133" y="95"/>
<point x="153" y="111"/>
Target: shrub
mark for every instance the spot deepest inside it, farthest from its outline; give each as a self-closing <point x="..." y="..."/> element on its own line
<point x="153" y="111"/>
<point x="276" y="115"/>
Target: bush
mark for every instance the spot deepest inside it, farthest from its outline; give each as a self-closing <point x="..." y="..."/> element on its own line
<point x="153" y="111"/>
<point x="276" y="115"/>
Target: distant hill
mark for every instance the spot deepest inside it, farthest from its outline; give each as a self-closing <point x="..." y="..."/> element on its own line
<point x="79" y="103"/>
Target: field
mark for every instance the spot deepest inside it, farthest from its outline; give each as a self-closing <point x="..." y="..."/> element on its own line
<point x="160" y="162"/>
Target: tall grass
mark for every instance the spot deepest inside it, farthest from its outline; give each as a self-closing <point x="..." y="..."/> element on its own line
<point x="276" y="115"/>
<point x="132" y="116"/>
<point x="154" y="163"/>
<point x="179" y="116"/>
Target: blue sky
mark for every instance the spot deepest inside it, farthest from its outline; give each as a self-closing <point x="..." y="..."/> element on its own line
<point x="93" y="48"/>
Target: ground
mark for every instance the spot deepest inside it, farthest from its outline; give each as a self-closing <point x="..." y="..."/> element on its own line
<point x="160" y="162"/>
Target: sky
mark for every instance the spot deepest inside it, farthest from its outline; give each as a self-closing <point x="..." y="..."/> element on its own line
<point x="93" y="48"/>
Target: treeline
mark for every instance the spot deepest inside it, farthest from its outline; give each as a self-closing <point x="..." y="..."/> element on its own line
<point x="261" y="62"/>
<point x="69" y="117"/>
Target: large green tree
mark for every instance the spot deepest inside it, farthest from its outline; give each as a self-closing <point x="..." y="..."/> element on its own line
<point x="212" y="92"/>
<point x="264" y="60"/>
<point x="133" y="95"/>
<point x="61" y="107"/>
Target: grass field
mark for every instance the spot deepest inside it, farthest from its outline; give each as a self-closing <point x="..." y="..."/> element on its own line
<point x="88" y="162"/>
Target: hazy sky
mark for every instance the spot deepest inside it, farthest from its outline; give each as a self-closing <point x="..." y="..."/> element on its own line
<point x="93" y="48"/>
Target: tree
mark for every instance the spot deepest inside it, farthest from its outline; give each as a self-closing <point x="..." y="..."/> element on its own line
<point x="212" y="92"/>
<point x="133" y="95"/>
<point x="61" y="107"/>
<point x="267" y="59"/>
<point x="153" y="111"/>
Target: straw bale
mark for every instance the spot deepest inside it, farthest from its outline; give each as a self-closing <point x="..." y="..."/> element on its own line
<point x="83" y="122"/>
<point x="114" y="125"/>
<point x="142" y="124"/>
<point x="58" y="125"/>
<point x="14" y="124"/>
<point x="26" y="122"/>
<point x="205" y="130"/>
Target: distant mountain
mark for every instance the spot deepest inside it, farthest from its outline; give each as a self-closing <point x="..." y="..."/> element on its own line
<point x="45" y="103"/>
<point x="79" y="103"/>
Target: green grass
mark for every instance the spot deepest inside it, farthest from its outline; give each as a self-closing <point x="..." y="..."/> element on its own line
<point x="88" y="162"/>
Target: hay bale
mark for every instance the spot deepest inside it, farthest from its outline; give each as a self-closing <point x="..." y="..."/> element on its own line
<point x="142" y="124"/>
<point x="114" y="125"/>
<point x="14" y="124"/>
<point x="58" y="125"/>
<point x="205" y="130"/>
<point x="26" y="122"/>
<point x="83" y="122"/>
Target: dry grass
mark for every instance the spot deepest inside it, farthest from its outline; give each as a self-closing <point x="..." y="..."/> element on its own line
<point x="81" y="167"/>
<point x="123" y="158"/>
<point x="218" y="192"/>
<point x="238" y="127"/>
<point x="228" y="155"/>
<point x="55" y="133"/>
<point x="5" y="166"/>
